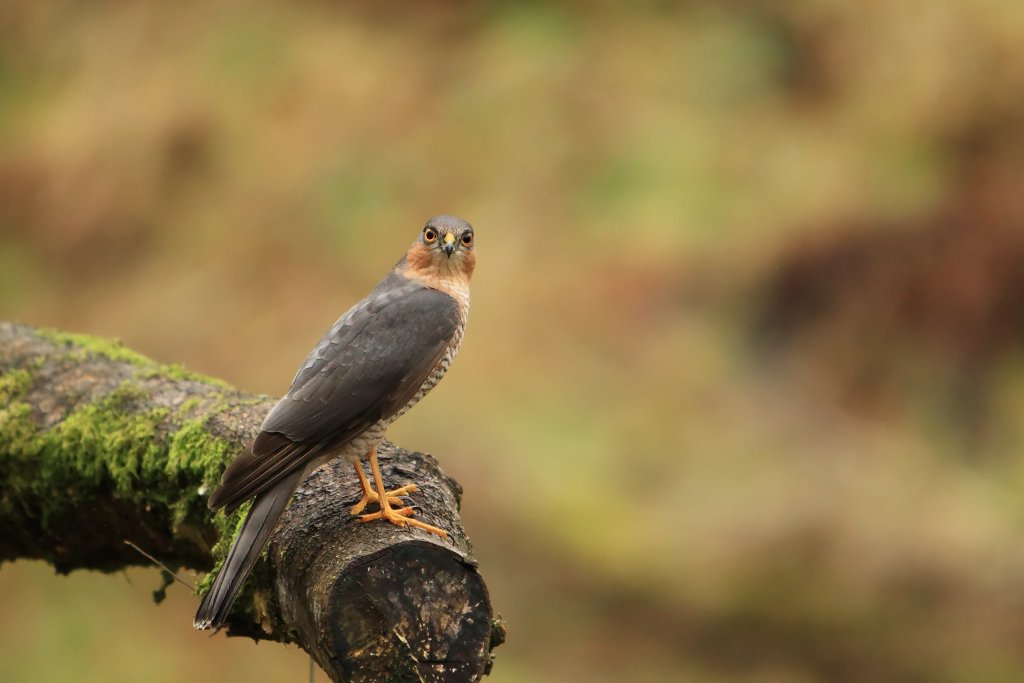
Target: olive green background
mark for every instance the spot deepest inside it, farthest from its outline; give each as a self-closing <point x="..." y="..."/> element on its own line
<point x="741" y="396"/>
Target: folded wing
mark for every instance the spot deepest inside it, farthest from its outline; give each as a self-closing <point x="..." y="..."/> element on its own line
<point x="367" y="367"/>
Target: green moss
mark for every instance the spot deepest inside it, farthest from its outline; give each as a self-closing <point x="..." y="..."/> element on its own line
<point x="14" y="383"/>
<point x="196" y="456"/>
<point x="194" y="450"/>
<point x="108" y="348"/>
<point x="114" y="446"/>
<point x="163" y="459"/>
<point x="178" y="372"/>
<point x="17" y="428"/>
<point x="188" y="405"/>
<point x="82" y="345"/>
<point x="15" y="416"/>
<point x="110" y="445"/>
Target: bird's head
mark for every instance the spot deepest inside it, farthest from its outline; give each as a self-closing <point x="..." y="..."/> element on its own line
<point x="444" y="250"/>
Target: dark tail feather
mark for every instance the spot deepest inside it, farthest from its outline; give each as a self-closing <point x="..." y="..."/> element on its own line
<point x="246" y="549"/>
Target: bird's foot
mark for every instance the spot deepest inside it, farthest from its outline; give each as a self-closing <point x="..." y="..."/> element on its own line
<point x="394" y="497"/>
<point x="402" y="517"/>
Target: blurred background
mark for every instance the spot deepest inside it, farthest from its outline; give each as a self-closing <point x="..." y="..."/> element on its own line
<point x="742" y="394"/>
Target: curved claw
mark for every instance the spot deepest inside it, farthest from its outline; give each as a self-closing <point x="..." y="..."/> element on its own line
<point x="400" y="516"/>
<point x="394" y="497"/>
<point x="403" y="517"/>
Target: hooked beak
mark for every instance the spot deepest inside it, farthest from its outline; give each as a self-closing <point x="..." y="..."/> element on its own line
<point x="449" y="244"/>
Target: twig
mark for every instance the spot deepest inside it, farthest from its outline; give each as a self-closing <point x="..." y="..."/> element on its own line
<point x="160" y="564"/>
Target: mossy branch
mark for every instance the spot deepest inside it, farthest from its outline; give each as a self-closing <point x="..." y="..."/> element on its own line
<point x="100" y="445"/>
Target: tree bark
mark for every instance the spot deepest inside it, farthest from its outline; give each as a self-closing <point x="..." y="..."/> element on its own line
<point x="100" y="445"/>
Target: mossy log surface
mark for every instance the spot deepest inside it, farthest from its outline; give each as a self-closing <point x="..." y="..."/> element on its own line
<point x="100" y="445"/>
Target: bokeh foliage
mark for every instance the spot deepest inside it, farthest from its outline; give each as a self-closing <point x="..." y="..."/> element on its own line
<point x="741" y="396"/>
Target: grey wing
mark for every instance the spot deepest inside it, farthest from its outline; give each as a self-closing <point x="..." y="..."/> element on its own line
<point x="367" y="367"/>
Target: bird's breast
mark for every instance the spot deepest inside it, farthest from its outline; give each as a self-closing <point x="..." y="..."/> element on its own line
<point x="439" y="370"/>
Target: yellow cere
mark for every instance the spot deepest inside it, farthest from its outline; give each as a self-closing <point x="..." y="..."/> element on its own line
<point x="449" y="238"/>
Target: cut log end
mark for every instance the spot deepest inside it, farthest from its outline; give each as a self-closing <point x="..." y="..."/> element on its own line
<point x="414" y="611"/>
<point x="391" y="603"/>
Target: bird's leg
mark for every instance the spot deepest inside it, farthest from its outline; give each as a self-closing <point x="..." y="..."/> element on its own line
<point x="401" y="516"/>
<point x="370" y="496"/>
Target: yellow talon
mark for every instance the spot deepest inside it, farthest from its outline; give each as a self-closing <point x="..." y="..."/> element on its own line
<point x="400" y="515"/>
<point x="394" y="497"/>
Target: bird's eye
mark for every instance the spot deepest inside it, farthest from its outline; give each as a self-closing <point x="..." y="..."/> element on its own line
<point x="467" y="239"/>
<point x="429" y="235"/>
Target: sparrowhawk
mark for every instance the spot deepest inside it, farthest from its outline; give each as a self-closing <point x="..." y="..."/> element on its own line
<point x="375" y="363"/>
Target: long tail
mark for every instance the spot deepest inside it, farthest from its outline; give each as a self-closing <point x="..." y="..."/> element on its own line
<point x="263" y="515"/>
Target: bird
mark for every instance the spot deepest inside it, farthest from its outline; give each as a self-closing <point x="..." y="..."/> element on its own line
<point x="377" y="361"/>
